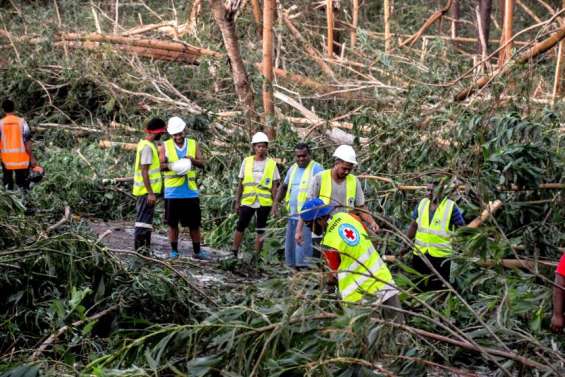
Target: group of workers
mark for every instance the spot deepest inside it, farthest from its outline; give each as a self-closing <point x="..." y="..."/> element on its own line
<point x="326" y="208"/>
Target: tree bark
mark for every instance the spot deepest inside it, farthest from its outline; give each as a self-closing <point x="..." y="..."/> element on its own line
<point x="455" y="13"/>
<point x="386" y="6"/>
<point x="506" y="52"/>
<point x="330" y="23"/>
<point x="354" y="22"/>
<point x="485" y="9"/>
<point x="559" y="68"/>
<point x="224" y="16"/>
<point x="268" y="105"/>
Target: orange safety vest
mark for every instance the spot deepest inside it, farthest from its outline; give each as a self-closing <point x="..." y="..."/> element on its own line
<point x="14" y="155"/>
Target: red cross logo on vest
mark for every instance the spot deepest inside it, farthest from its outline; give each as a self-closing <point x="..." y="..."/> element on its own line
<point x="349" y="234"/>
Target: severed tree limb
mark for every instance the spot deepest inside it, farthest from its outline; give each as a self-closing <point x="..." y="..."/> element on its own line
<point x="531" y="53"/>
<point x="492" y="207"/>
<point x="429" y="22"/>
<point x="106" y="144"/>
<point x="63" y="220"/>
<point x="53" y="337"/>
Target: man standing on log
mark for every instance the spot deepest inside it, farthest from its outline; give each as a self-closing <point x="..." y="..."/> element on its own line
<point x="340" y="189"/>
<point x="295" y="190"/>
<point x="179" y="156"/>
<point x="557" y="320"/>
<point x="433" y="221"/>
<point x="258" y="183"/>
<point x="351" y="256"/>
<point x="15" y="144"/>
<point x="147" y="183"/>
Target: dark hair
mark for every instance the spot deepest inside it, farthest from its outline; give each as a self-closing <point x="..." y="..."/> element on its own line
<point x="302" y="146"/>
<point x="8" y="106"/>
<point x="156" y="124"/>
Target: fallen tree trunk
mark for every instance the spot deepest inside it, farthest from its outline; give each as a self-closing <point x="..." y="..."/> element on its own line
<point x="106" y="144"/>
<point x="141" y="42"/>
<point x="533" y="52"/>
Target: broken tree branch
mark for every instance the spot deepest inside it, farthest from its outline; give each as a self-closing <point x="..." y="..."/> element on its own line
<point x="531" y="53"/>
<point x="492" y="207"/>
<point x="429" y="22"/>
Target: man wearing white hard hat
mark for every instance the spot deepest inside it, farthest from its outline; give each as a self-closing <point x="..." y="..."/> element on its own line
<point x="179" y="157"/>
<point x="258" y="182"/>
<point x="340" y="189"/>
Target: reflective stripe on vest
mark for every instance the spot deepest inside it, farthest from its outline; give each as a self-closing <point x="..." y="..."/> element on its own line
<point x="14" y="154"/>
<point x="434" y="237"/>
<point x="262" y="191"/>
<point x="171" y="178"/>
<point x="154" y="172"/>
<point x="361" y="270"/>
<point x="326" y="189"/>
<point x="303" y="186"/>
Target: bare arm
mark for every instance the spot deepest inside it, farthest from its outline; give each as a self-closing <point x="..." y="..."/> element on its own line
<point x="557" y="319"/>
<point x="199" y="161"/>
<point x="163" y="158"/>
<point x="366" y="216"/>
<point x="281" y="192"/>
<point x="412" y="229"/>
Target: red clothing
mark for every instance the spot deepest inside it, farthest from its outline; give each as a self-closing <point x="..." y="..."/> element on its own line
<point x="561" y="266"/>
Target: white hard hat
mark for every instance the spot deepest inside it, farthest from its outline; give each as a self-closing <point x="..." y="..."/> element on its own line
<point x="175" y="125"/>
<point x="259" y="137"/>
<point x="346" y="153"/>
<point x="182" y="166"/>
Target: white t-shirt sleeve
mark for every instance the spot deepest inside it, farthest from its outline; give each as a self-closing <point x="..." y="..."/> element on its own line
<point x="241" y="170"/>
<point x="146" y="156"/>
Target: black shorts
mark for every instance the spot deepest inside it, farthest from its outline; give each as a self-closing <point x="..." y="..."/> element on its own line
<point x="245" y="215"/>
<point x="442" y="265"/>
<point x="183" y="211"/>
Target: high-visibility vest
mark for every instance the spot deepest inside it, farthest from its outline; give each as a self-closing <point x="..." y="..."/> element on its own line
<point x="262" y="190"/>
<point x="434" y="237"/>
<point x="361" y="270"/>
<point x="303" y="186"/>
<point x="171" y="178"/>
<point x="326" y="189"/>
<point x="155" y="179"/>
<point x="14" y="154"/>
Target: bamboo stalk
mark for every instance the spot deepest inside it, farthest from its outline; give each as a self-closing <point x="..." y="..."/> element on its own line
<point x="256" y="11"/>
<point x="330" y="24"/>
<point x="386" y="7"/>
<point x="506" y="38"/>
<point x="559" y="68"/>
<point x="268" y="104"/>
<point x="354" y="22"/>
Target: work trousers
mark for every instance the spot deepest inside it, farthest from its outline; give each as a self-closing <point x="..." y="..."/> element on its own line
<point x="21" y="180"/>
<point x="143" y="224"/>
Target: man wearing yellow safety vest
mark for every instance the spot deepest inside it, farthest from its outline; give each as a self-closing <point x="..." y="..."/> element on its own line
<point x="433" y="221"/>
<point x="349" y="252"/>
<point x="340" y="189"/>
<point x="258" y="183"/>
<point x="179" y="155"/>
<point x="147" y="183"/>
<point x="295" y="189"/>
<point x="15" y="146"/>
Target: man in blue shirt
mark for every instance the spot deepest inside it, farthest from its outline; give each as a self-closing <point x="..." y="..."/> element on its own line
<point x="182" y="203"/>
<point x="295" y="190"/>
